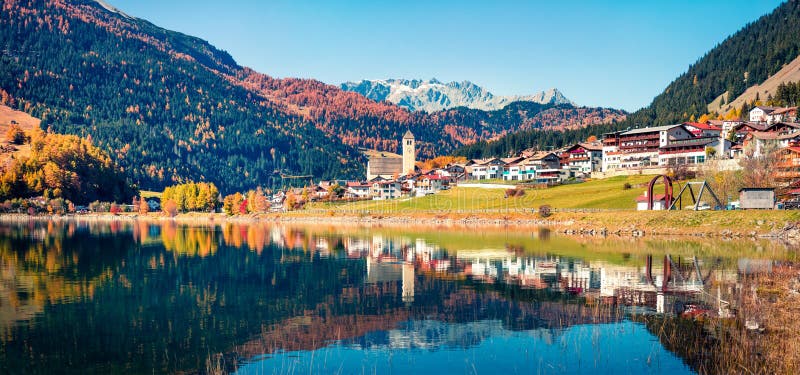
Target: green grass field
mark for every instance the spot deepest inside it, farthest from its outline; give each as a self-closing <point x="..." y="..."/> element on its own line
<point x="150" y="194"/>
<point x="598" y="194"/>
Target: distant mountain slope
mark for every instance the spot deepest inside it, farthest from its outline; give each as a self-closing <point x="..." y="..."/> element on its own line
<point x="761" y="91"/>
<point x="170" y="107"/>
<point x="746" y="58"/>
<point x="434" y="96"/>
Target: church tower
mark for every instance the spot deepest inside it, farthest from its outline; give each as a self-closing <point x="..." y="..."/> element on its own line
<point x="409" y="153"/>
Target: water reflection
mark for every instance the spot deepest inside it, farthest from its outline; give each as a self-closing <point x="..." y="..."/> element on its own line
<point x="141" y="297"/>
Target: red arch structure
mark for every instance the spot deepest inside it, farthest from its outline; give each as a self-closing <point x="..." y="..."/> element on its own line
<point x="667" y="191"/>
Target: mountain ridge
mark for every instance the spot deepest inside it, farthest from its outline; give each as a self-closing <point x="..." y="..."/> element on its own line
<point x="173" y="108"/>
<point x="433" y="95"/>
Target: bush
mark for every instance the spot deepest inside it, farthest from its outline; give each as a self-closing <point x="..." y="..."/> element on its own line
<point x="15" y="135"/>
<point x="114" y="209"/>
<point x="545" y="211"/>
<point x="626" y="186"/>
<point x="171" y="208"/>
<point x="513" y="193"/>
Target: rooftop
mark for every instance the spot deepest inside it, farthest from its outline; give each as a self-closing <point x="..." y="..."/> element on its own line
<point x="656" y="198"/>
<point x="703" y="126"/>
<point x="650" y="129"/>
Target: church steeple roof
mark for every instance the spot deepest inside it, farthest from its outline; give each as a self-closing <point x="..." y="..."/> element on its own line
<point x="408" y="135"/>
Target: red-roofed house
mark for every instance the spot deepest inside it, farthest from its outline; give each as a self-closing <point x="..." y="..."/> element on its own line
<point x="357" y="190"/>
<point x="430" y="184"/>
<point x="584" y="157"/>
<point x="700" y="129"/>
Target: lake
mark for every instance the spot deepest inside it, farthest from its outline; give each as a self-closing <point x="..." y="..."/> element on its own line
<point x="137" y="297"/>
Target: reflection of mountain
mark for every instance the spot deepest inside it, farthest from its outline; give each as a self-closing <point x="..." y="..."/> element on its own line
<point x="421" y="325"/>
<point x="432" y="335"/>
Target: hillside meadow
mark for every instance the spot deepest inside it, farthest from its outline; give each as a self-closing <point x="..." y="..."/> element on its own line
<point x="605" y="194"/>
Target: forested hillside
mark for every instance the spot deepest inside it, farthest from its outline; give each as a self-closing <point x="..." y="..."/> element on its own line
<point x="153" y="98"/>
<point x="747" y="57"/>
<point x="172" y="108"/>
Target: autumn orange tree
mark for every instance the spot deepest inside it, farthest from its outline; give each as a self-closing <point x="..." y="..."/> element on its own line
<point x="442" y="161"/>
<point x="64" y="166"/>
<point x="231" y="203"/>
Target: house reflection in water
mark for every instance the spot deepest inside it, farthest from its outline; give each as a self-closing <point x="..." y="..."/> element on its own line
<point x="663" y="284"/>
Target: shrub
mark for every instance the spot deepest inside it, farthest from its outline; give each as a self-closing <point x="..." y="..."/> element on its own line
<point x="114" y="209"/>
<point x="171" y="208"/>
<point x="626" y="186"/>
<point x="516" y="192"/>
<point x="545" y="211"/>
<point x="15" y="135"/>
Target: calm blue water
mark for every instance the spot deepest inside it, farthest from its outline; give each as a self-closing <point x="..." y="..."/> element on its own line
<point x="418" y="348"/>
<point x="141" y="298"/>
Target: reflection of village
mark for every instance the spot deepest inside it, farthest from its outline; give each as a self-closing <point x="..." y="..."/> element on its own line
<point x="664" y="285"/>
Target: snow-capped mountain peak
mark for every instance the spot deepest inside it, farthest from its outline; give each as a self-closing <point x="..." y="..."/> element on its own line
<point x="433" y="95"/>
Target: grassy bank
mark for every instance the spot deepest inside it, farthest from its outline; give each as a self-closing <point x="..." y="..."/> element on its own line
<point x="604" y="206"/>
<point x="608" y="193"/>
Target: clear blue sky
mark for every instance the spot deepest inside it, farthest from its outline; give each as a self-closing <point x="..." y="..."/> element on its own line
<point x="599" y="53"/>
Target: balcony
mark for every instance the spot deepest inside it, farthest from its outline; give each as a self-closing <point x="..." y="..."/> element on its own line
<point x="682" y="150"/>
<point x="575" y="159"/>
<point x="788" y="164"/>
<point x="787" y="174"/>
<point x="646" y="137"/>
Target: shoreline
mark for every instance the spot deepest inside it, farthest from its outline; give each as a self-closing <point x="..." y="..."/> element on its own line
<point x="723" y="224"/>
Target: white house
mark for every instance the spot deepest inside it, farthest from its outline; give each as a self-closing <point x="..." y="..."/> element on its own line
<point x="761" y="141"/>
<point x="659" y="202"/>
<point x="430" y="184"/>
<point x="357" y="190"/>
<point x="761" y="113"/>
<point x="583" y="157"/>
<point x="383" y="190"/>
<point x="692" y="151"/>
<point x="484" y="169"/>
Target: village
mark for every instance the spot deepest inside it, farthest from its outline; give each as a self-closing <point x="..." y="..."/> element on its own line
<point x="641" y="151"/>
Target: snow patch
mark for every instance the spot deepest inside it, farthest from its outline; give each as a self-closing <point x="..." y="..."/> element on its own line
<point x="433" y="95"/>
<point x="111" y="9"/>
